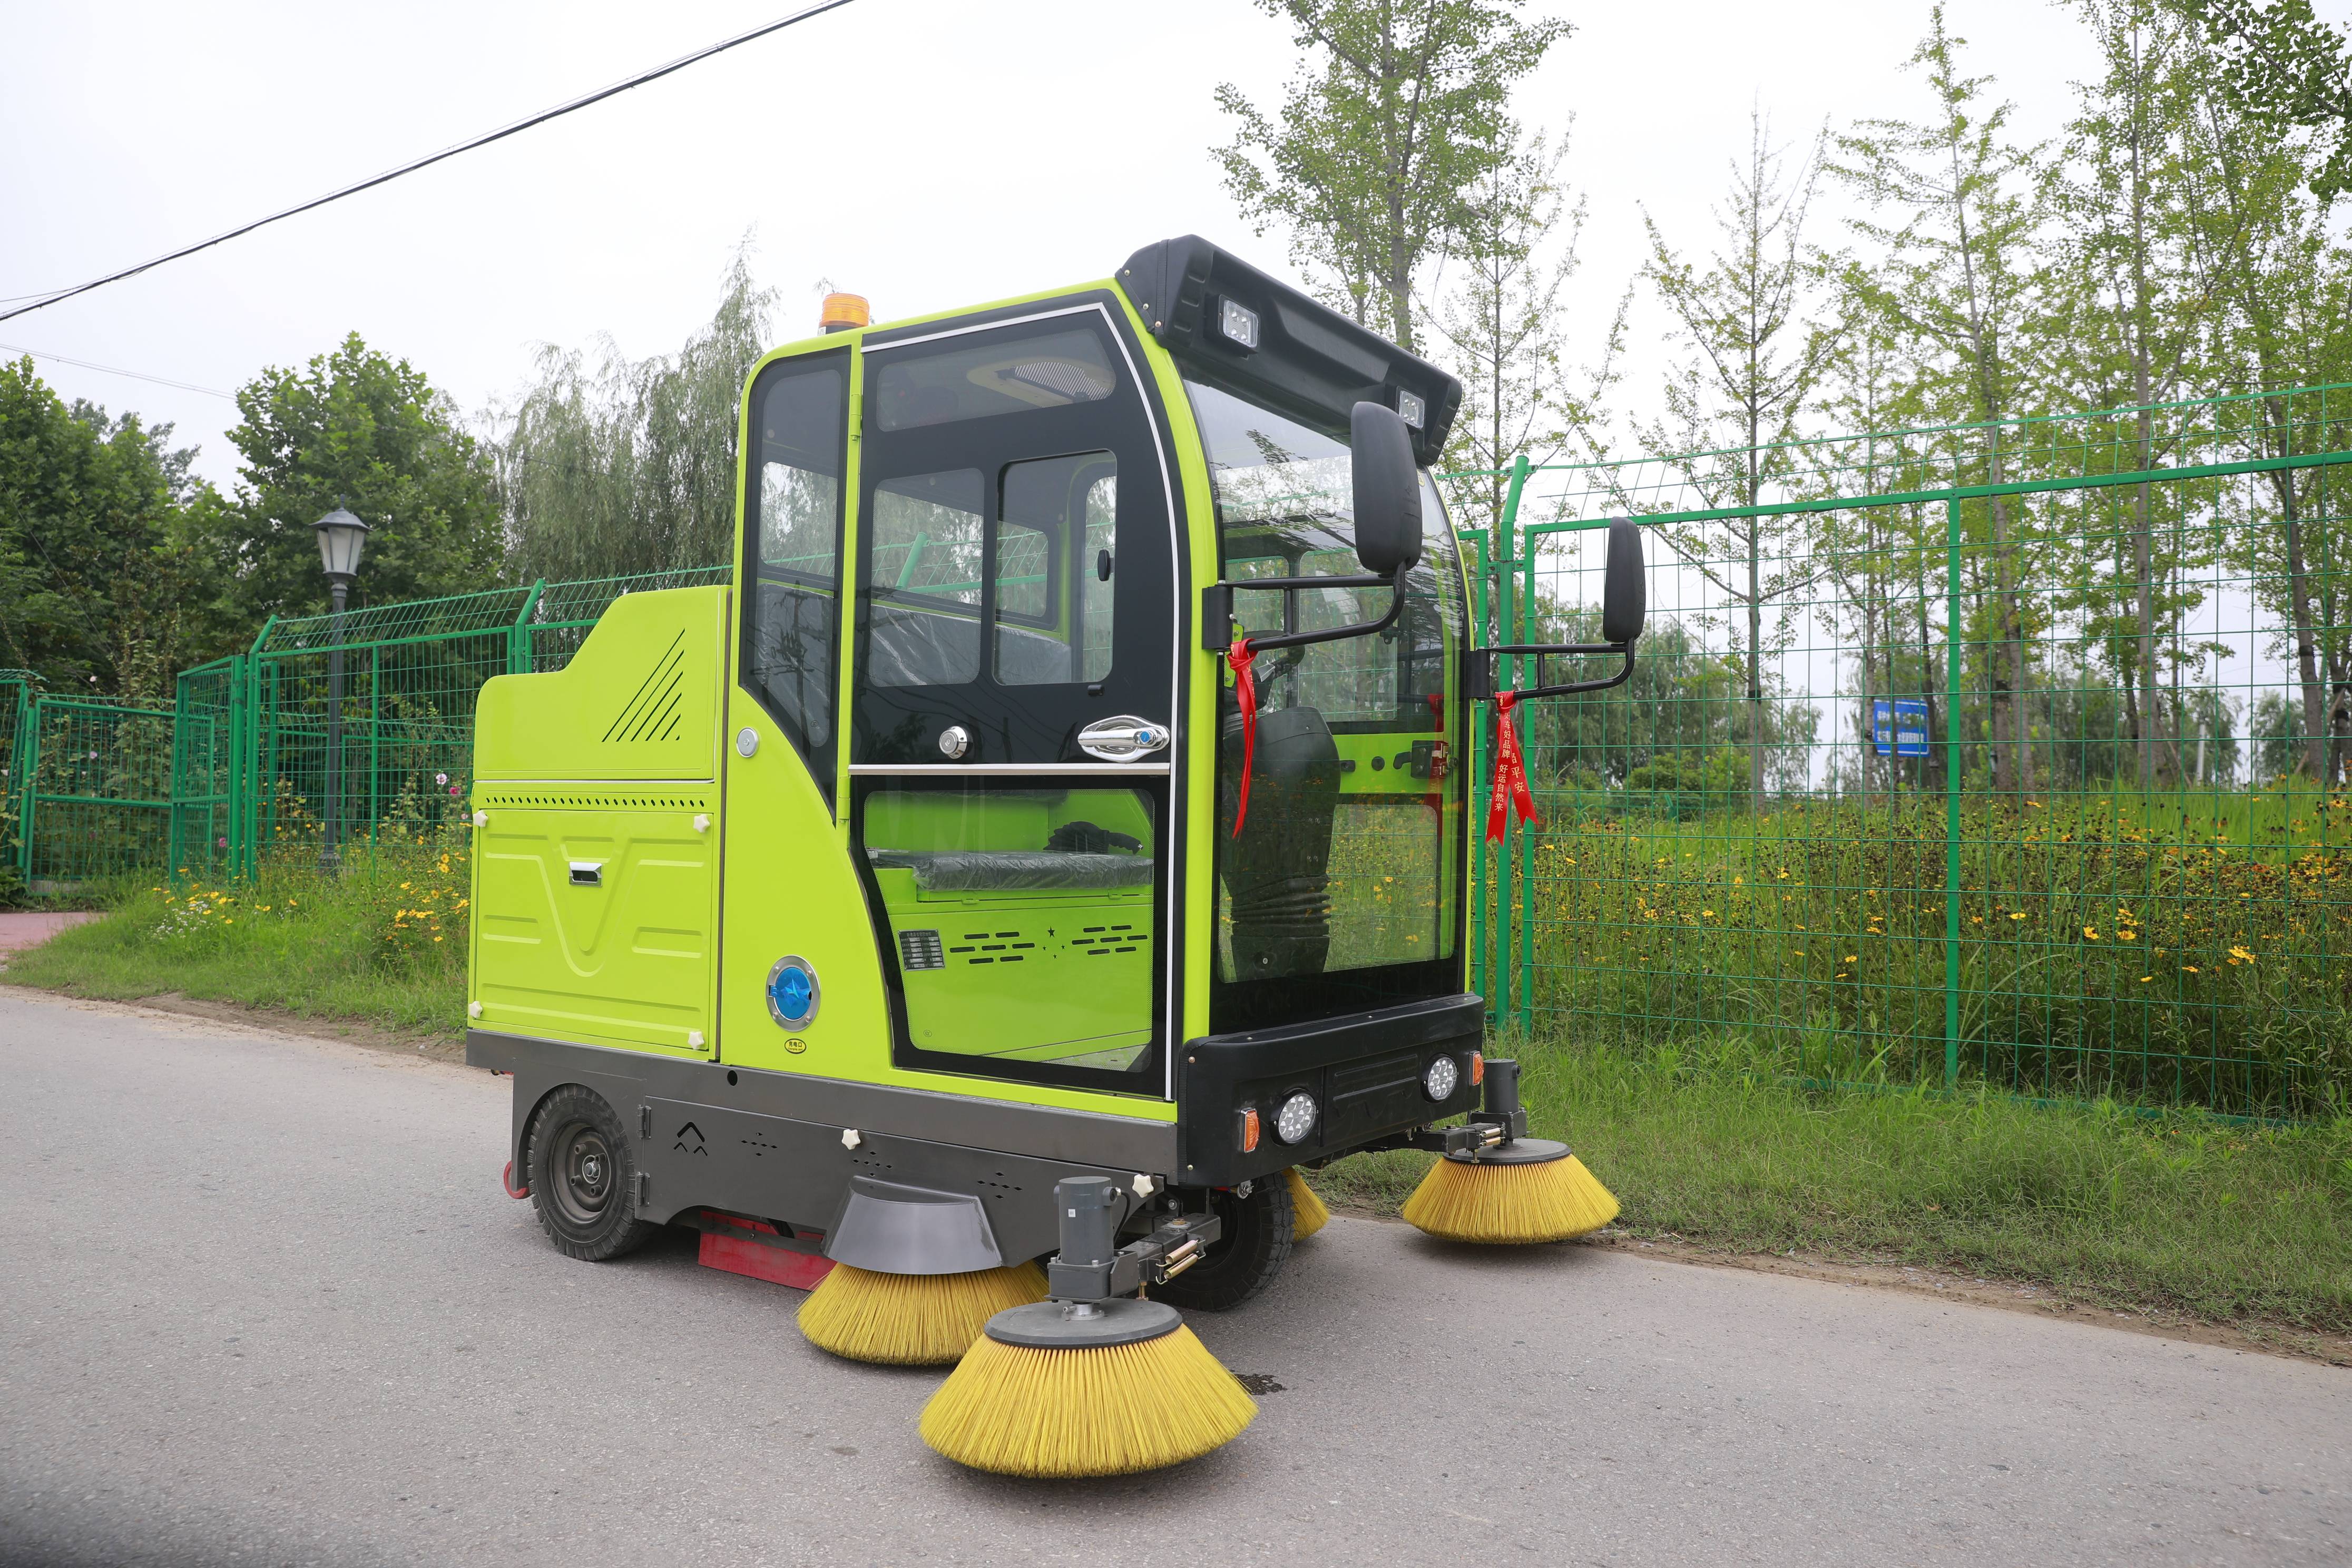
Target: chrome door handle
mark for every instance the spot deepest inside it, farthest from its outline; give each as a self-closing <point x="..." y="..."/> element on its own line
<point x="1123" y="738"/>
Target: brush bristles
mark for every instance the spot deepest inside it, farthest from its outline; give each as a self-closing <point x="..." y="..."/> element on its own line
<point x="912" y="1320"/>
<point x="1104" y="1411"/>
<point x="1310" y="1210"/>
<point x="1550" y="1202"/>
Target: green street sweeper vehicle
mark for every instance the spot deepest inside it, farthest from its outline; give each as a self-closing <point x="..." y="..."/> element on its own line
<point x="1056" y="834"/>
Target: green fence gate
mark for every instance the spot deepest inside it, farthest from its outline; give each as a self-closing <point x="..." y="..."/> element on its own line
<point x="92" y="788"/>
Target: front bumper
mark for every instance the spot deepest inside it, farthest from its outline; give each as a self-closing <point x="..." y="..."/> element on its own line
<point x="1364" y="1070"/>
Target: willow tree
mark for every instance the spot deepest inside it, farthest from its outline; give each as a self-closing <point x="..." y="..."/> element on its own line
<point x="629" y="466"/>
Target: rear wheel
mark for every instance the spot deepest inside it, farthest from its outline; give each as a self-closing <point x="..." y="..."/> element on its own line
<point x="1244" y="1259"/>
<point x="584" y="1177"/>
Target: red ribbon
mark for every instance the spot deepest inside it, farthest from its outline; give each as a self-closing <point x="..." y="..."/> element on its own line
<point x="1245" y="693"/>
<point x="1510" y="793"/>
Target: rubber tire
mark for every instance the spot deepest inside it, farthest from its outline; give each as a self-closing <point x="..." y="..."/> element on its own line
<point x="584" y="1218"/>
<point x="1244" y="1259"/>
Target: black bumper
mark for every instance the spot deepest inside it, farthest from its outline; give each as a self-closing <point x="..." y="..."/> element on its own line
<point x="1364" y="1070"/>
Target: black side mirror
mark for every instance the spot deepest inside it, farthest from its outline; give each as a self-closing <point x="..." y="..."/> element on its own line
<point x="1386" y="484"/>
<point x="1624" y="598"/>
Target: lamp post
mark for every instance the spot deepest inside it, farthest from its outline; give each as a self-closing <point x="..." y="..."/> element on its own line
<point x="342" y="537"/>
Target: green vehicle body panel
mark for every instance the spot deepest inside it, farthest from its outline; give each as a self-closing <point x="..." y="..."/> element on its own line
<point x="613" y="757"/>
<point x="609" y="763"/>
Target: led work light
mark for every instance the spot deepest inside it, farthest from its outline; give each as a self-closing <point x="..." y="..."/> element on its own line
<point x="1439" y="1080"/>
<point x="1295" y="1120"/>
<point x="1238" y="323"/>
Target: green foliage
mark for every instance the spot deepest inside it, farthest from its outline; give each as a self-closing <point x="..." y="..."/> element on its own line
<point x="90" y="574"/>
<point x="1399" y="114"/>
<point x="353" y="428"/>
<point x="2175" y="948"/>
<point x="631" y="468"/>
<point x="2279" y="60"/>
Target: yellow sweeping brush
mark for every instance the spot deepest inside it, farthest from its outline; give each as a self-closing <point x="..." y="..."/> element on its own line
<point x="911" y="1319"/>
<point x="1530" y="1189"/>
<point x="1065" y="1389"/>
<point x="1310" y="1210"/>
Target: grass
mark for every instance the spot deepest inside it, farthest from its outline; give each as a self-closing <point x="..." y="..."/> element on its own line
<point x="2187" y="947"/>
<point x="2101" y="1202"/>
<point x="384" y="942"/>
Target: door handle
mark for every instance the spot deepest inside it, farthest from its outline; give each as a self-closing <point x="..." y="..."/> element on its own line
<point x="587" y="873"/>
<point x="1123" y="738"/>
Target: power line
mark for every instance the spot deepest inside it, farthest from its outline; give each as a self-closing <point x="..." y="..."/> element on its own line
<point x="542" y="118"/>
<point x="118" y="370"/>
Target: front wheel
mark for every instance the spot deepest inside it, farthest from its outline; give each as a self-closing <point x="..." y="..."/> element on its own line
<point x="584" y="1177"/>
<point x="1255" y="1243"/>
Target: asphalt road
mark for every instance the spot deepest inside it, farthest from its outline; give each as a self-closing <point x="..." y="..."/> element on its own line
<point x="262" y="1302"/>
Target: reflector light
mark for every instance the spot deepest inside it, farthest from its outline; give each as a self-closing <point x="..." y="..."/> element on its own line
<point x="1238" y="324"/>
<point x="1249" y="1130"/>
<point x="840" y="312"/>
<point x="1478" y="1069"/>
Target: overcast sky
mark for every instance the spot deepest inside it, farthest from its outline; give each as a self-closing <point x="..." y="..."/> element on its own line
<point x="928" y="156"/>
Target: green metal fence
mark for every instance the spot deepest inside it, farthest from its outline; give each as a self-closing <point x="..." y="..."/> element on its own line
<point x="1980" y="752"/>
<point x="266" y="759"/>
<point x="92" y="787"/>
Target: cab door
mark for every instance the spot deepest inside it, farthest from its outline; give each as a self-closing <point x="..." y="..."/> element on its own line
<point x="1014" y="698"/>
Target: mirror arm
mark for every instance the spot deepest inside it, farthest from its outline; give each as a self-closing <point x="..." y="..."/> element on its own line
<point x="1217" y="611"/>
<point x="1482" y="674"/>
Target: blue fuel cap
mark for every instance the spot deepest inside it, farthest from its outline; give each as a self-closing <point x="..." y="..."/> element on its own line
<point x="793" y="994"/>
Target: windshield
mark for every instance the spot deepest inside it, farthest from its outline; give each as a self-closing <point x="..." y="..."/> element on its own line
<point x="1343" y="888"/>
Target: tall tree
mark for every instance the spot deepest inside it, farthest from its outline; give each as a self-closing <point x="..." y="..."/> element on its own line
<point x="1755" y="359"/>
<point x="2261" y="248"/>
<point x="1962" y="272"/>
<point x="1397" y="117"/>
<point x="631" y="466"/>
<point x="1501" y="325"/>
<point x="358" y="429"/>
<point x="2137" y="309"/>
<point x="90" y="572"/>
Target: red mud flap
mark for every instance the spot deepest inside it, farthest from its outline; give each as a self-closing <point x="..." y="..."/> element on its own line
<point x="752" y="1250"/>
<point x="506" y="1180"/>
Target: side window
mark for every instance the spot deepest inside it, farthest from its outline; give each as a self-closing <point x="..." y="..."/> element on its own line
<point x="1045" y="528"/>
<point x="1096" y="566"/>
<point x="792" y="621"/>
<point x="925" y="614"/>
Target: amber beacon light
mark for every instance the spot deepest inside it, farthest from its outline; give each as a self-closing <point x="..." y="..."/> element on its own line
<point x="840" y="312"/>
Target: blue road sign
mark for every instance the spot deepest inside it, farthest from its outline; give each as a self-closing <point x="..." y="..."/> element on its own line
<point x="1899" y="725"/>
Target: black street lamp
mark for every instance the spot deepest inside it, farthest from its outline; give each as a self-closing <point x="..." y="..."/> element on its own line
<point x="342" y="537"/>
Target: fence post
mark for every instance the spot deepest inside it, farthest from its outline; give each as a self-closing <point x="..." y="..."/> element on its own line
<point x="28" y="764"/>
<point x="519" y="660"/>
<point x="1525" y="988"/>
<point x="1951" y="792"/>
<point x="246" y="810"/>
